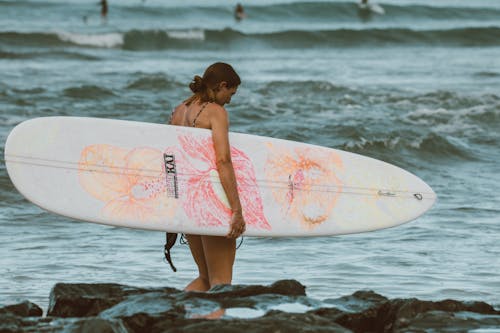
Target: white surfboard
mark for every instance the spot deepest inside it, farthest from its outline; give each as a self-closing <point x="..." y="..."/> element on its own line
<point x="161" y="177"/>
<point x="372" y="7"/>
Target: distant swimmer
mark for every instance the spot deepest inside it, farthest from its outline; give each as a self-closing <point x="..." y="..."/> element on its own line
<point x="104" y="10"/>
<point x="239" y="12"/>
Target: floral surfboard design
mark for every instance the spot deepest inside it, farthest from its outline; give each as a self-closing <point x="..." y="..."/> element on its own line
<point x="162" y="177"/>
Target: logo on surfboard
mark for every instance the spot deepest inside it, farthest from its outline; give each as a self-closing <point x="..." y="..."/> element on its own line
<point x="171" y="176"/>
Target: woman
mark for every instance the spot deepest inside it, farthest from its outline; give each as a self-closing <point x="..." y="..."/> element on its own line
<point x="214" y="255"/>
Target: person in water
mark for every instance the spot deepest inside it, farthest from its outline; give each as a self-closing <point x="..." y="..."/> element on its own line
<point x="239" y="12"/>
<point x="214" y="255"/>
<point x="104" y="10"/>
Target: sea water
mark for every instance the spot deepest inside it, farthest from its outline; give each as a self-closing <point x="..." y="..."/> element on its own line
<point x="418" y="87"/>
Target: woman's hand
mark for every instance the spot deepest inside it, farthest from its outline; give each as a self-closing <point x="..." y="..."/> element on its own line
<point x="237" y="225"/>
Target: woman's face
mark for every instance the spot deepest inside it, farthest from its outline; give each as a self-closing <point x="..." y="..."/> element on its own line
<point x="224" y="94"/>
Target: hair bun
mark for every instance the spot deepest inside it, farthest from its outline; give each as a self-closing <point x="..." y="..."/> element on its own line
<point x="197" y="84"/>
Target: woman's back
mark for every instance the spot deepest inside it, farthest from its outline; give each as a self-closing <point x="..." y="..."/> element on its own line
<point x="194" y="115"/>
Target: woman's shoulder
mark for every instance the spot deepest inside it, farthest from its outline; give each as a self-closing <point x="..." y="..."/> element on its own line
<point x="175" y="115"/>
<point x="179" y="107"/>
<point x="215" y="109"/>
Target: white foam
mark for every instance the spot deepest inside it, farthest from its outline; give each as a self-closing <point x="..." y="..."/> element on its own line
<point x="291" y="307"/>
<point x="244" y="313"/>
<point x="194" y="34"/>
<point x="107" y="40"/>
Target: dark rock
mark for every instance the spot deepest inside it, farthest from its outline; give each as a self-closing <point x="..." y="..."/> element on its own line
<point x="24" y="309"/>
<point x="81" y="299"/>
<point x="139" y="322"/>
<point x="274" y="321"/>
<point x="119" y="309"/>
<point x="365" y="321"/>
<point x="248" y="296"/>
<point x="10" y="323"/>
<point x="359" y="301"/>
<point x="142" y="322"/>
<point x="396" y="314"/>
<point x="440" y="321"/>
<point x="95" y="324"/>
<point x="282" y="287"/>
<point x="149" y="303"/>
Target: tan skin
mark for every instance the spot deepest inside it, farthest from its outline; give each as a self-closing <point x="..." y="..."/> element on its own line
<point x="214" y="255"/>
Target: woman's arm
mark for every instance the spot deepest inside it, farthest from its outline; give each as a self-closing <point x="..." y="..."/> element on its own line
<point x="220" y="135"/>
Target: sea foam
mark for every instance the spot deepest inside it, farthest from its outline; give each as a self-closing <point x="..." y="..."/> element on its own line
<point x="107" y="40"/>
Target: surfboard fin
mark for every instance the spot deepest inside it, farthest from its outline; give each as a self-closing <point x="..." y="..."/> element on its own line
<point x="169" y="243"/>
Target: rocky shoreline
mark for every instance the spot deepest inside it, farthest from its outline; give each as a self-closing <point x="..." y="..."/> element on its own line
<point x="280" y="307"/>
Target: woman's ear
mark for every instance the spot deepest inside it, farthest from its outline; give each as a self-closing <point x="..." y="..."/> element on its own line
<point x="222" y="84"/>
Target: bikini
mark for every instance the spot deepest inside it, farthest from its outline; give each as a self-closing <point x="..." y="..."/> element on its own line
<point x="198" y="114"/>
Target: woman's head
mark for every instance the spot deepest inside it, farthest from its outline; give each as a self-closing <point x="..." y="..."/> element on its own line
<point x="219" y="82"/>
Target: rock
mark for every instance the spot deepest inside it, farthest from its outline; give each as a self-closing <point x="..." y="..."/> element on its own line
<point x="154" y="303"/>
<point x="95" y="324"/>
<point x="274" y="321"/>
<point x="24" y="309"/>
<point x="117" y="308"/>
<point x="248" y="296"/>
<point x="365" y="321"/>
<point x="82" y="299"/>
<point x="10" y="323"/>
<point x="396" y="314"/>
<point x="359" y="301"/>
<point x="282" y="287"/>
<point x="142" y="322"/>
<point x="441" y="321"/>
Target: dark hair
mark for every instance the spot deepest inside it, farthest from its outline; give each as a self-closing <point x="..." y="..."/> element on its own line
<point x="204" y="88"/>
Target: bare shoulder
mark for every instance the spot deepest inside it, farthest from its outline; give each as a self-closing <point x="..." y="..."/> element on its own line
<point x="177" y="114"/>
<point x="216" y="111"/>
<point x="179" y="107"/>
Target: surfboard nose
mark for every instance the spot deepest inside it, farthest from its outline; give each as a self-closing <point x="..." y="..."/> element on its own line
<point x="424" y="194"/>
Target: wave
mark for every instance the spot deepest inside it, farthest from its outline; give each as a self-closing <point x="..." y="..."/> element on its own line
<point x="442" y="99"/>
<point x="106" y="40"/>
<point x="88" y="92"/>
<point x="300" y="87"/>
<point x="290" y="39"/>
<point x="319" y="10"/>
<point x="51" y="39"/>
<point x="346" y="11"/>
<point x="140" y="40"/>
<point x="153" y="82"/>
<point x="431" y="145"/>
<point x="12" y="55"/>
<point x="479" y="116"/>
<point x="487" y="74"/>
<point x="30" y="39"/>
<point x="57" y="54"/>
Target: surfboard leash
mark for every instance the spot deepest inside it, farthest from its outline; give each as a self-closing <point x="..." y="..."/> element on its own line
<point x="170" y="239"/>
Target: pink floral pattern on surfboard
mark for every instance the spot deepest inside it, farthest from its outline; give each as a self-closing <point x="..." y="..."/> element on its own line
<point x="201" y="192"/>
<point x="304" y="182"/>
<point x="131" y="183"/>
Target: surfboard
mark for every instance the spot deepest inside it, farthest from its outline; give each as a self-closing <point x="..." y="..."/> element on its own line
<point x="372" y="7"/>
<point x="162" y="177"/>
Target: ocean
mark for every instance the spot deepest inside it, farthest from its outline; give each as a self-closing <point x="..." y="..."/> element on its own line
<point x="418" y="87"/>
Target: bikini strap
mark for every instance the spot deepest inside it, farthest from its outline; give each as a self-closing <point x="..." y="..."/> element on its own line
<point x="194" y="120"/>
<point x="171" y="116"/>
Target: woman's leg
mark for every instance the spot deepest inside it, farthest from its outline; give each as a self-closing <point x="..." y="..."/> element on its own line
<point x="219" y="253"/>
<point x="201" y="283"/>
